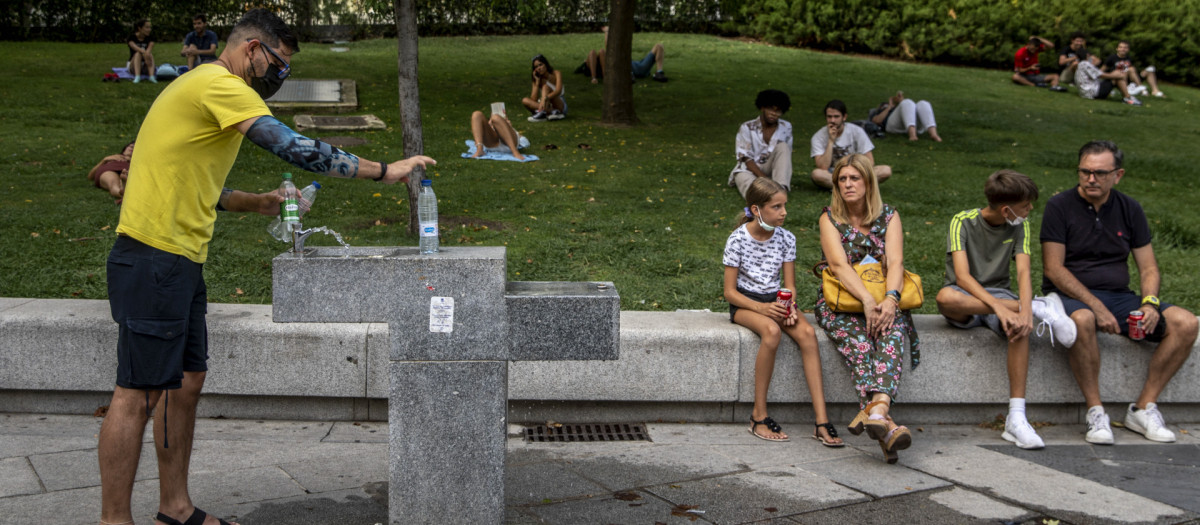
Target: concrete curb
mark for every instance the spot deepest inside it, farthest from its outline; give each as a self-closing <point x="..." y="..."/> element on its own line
<point x="58" y="356"/>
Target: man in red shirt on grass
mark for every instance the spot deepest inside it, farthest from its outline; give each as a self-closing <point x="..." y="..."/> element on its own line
<point x="1027" y="71"/>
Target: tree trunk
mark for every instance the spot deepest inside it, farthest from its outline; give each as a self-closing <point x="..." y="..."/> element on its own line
<point x="410" y="103"/>
<point x="618" y="69"/>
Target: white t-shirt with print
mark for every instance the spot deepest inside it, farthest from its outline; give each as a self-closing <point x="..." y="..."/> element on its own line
<point x="853" y="139"/>
<point x="759" y="262"/>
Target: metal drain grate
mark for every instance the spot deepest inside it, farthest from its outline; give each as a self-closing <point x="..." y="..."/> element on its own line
<point x="586" y="432"/>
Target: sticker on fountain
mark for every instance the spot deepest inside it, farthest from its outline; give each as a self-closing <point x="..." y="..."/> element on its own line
<point x="441" y="314"/>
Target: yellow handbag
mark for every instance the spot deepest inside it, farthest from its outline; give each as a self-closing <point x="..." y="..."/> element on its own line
<point x="839" y="299"/>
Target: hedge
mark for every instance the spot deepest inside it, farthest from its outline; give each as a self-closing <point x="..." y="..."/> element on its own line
<point x="984" y="32"/>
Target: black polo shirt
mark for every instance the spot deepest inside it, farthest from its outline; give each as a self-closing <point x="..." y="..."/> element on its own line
<point x="1098" y="243"/>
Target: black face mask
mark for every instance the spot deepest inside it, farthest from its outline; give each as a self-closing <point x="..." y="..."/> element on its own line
<point x="268" y="84"/>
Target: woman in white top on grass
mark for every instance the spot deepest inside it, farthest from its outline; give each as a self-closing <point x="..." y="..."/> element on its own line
<point x="546" y="100"/>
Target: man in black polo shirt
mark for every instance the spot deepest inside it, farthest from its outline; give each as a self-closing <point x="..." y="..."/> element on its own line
<point x="1087" y="235"/>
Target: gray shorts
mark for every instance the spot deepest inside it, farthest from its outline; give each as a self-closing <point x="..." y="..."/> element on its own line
<point x="989" y="320"/>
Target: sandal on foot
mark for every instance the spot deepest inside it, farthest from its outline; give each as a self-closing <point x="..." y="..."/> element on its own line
<point x="874" y="424"/>
<point x="898" y="438"/>
<point x="770" y="424"/>
<point x="197" y="518"/>
<point x="829" y="442"/>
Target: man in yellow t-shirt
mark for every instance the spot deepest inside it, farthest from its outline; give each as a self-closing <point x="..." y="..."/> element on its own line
<point x="186" y="147"/>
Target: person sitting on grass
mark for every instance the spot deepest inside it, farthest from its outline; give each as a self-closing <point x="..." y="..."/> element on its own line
<point x="110" y="174"/>
<point x="141" y="51"/>
<point x="1094" y="83"/>
<point x="492" y="132"/>
<point x="1071" y="56"/>
<point x="1027" y="71"/>
<point x="199" y="46"/>
<point x="902" y="115"/>
<point x="756" y="254"/>
<point x="838" y="139"/>
<point x="594" y="64"/>
<point x="764" y="145"/>
<point x="979" y="247"/>
<point x="546" y="100"/>
<point x="1121" y="63"/>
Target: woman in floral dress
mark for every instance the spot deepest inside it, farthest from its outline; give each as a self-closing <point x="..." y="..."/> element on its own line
<point x="855" y="226"/>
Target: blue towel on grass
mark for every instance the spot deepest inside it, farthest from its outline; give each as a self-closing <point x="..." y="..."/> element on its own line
<point x="500" y="152"/>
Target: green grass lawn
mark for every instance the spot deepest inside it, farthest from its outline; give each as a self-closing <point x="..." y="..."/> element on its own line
<point x="646" y="208"/>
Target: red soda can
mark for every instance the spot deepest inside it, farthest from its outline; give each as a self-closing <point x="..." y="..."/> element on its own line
<point x="785" y="296"/>
<point x="1135" y="325"/>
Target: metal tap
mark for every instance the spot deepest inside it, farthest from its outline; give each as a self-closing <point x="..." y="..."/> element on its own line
<point x="299" y="234"/>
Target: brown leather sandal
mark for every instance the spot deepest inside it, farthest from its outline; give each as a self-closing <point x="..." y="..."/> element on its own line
<point x="898" y="438"/>
<point x="874" y="424"/>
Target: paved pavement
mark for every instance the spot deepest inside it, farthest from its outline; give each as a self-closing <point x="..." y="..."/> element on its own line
<point x="299" y="472"/>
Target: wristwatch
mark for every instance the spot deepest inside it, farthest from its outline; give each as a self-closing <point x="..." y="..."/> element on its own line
<point x="1151" y="300"/>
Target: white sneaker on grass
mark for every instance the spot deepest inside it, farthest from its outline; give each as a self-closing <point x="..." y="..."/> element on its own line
<point x="1099" y="431"/>
<point x="1054" y="319"/>
<point x="1019" y="431"/>
<point x="1137" y="89"/>
<point x="1148" y="422"/>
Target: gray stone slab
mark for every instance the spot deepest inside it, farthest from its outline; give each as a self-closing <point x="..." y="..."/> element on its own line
<point x="22" y="446"/>
<point x="357" y="506"/>
<point x="545" y="482"/>
<point x="329" y="360"/>
<point x="12" y="302"/>
<point x="80" y="355"/>
<point x="751" y="496"/>
<point x="558" y="321"/>
<point x="308" y="90"/>
<point x="978" y="506"/>
<point x="396" y="285"/>
<point x="648" y="509"/>
<point x="639" y="465"/>
<point x="80" y="468"/>
<point x="338" y="122"/>
<point x="1037" y="487"/>
<point x="58" y="426"/>
<point x="262" y="430"/>
<point x="447" y="442"/>
<point x="355" y="466"/>
<point x="1162" y="472"/>
<point x="874" y="477"/>
<point x="379" y="351"/>
<point x="664" y="357"/>
<point x="282" y="407"/>
<point x="18" y="478"/>
<point x="914" y="508"/>
<point x="76" y="507"/>
<point x="798" y="452"/>
<point x="358" y="432"/>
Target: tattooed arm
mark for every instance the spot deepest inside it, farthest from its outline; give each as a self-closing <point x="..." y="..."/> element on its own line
<point x="240" y="201"/>
<point x="319" y="157"/>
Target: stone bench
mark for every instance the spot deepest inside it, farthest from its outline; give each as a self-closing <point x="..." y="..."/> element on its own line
<point x="58" y="356"/>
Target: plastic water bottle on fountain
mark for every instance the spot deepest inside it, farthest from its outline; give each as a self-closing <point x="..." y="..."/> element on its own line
<point x="427" y="217"/>
<point x="278" y="229"/>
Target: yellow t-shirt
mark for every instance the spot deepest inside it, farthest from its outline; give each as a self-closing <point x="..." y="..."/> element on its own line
<point x="185" y="149"/>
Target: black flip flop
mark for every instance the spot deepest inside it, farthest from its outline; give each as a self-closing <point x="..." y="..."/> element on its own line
<point x="197" y="518"/>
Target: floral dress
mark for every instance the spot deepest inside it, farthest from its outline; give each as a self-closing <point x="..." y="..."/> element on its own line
<point x="875" y="364"/>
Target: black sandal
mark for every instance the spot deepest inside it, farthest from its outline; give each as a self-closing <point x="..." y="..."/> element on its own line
<point x="771" y="425"/>
<point x="197" y="518"/>
<point x="832" y="435"/>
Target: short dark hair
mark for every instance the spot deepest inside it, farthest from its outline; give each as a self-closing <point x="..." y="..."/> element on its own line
<point x="266" y="27"/>
<point x="1097" y="147"/>
<point x="1126" y="42"/>
<point x="1008" y="187"/>
<point x="1034" y="40"/>
<point x="201" y="17"/>
<point x="838" y="105"/>
<point x="1078" y="34"/>
<point x="768" y="98"/>
<point x="141" y="22"/>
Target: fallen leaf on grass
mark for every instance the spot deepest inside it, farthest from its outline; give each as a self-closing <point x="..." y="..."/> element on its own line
<point x="35" y="235"/>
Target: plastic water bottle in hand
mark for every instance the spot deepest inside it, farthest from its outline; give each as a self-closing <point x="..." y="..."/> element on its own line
<point x="427" y="217"/>
<point x="278" y="229"/>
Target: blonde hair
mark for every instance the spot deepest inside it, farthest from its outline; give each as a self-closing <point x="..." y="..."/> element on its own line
<point x="759" y="193"/>
<point x="837" y="205"/>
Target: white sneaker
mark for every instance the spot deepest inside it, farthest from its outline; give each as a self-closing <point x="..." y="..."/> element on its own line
<point x="1137" y="89"/>
<point x="1099" y="432"/>
<point x="1018" y="430"/>
<point x="1054" y="319"/>
<point x="556" y="115"/>
<point x="1148" y="422"/>
<point x="1132" y="101"/>
<point x="1159" y="94"/>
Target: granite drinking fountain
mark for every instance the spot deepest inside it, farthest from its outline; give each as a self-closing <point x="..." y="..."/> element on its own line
<point x="454" y="323"/>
